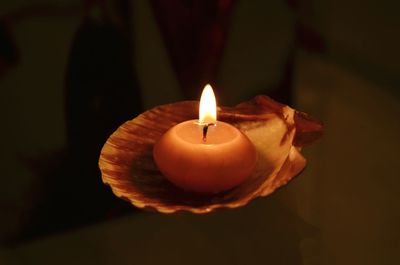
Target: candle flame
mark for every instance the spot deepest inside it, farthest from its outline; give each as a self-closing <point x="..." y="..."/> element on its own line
<point x="208" y="106"/>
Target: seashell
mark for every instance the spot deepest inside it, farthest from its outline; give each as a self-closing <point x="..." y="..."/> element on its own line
<point x="277" y="131"/>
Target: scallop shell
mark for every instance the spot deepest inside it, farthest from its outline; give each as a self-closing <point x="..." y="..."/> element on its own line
<point x="277" y="131"/>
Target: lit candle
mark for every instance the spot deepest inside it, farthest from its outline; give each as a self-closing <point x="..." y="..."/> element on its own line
<point x="205" y="155"/>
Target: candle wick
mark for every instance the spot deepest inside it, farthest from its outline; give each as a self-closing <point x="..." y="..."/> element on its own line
<point x="205" y="130"/>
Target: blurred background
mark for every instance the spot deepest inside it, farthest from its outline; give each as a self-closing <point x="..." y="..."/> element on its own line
<point x="72" y="71"/>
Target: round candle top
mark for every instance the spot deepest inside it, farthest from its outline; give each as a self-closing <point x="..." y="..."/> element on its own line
<point x="193" y="132"/>
<point x="205" y="156"/>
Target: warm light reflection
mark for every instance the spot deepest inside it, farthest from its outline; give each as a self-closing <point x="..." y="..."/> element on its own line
<point x="208" y="106"/>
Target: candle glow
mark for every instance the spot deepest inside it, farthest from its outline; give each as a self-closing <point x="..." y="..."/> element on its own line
<point x="205" y="155"/>
<point x="208" y="106"/>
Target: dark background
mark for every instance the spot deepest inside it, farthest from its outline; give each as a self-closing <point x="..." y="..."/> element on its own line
<point x="72" y="71"/>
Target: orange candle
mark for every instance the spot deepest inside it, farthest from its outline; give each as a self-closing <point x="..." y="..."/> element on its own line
<point x="205" y="155"/>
